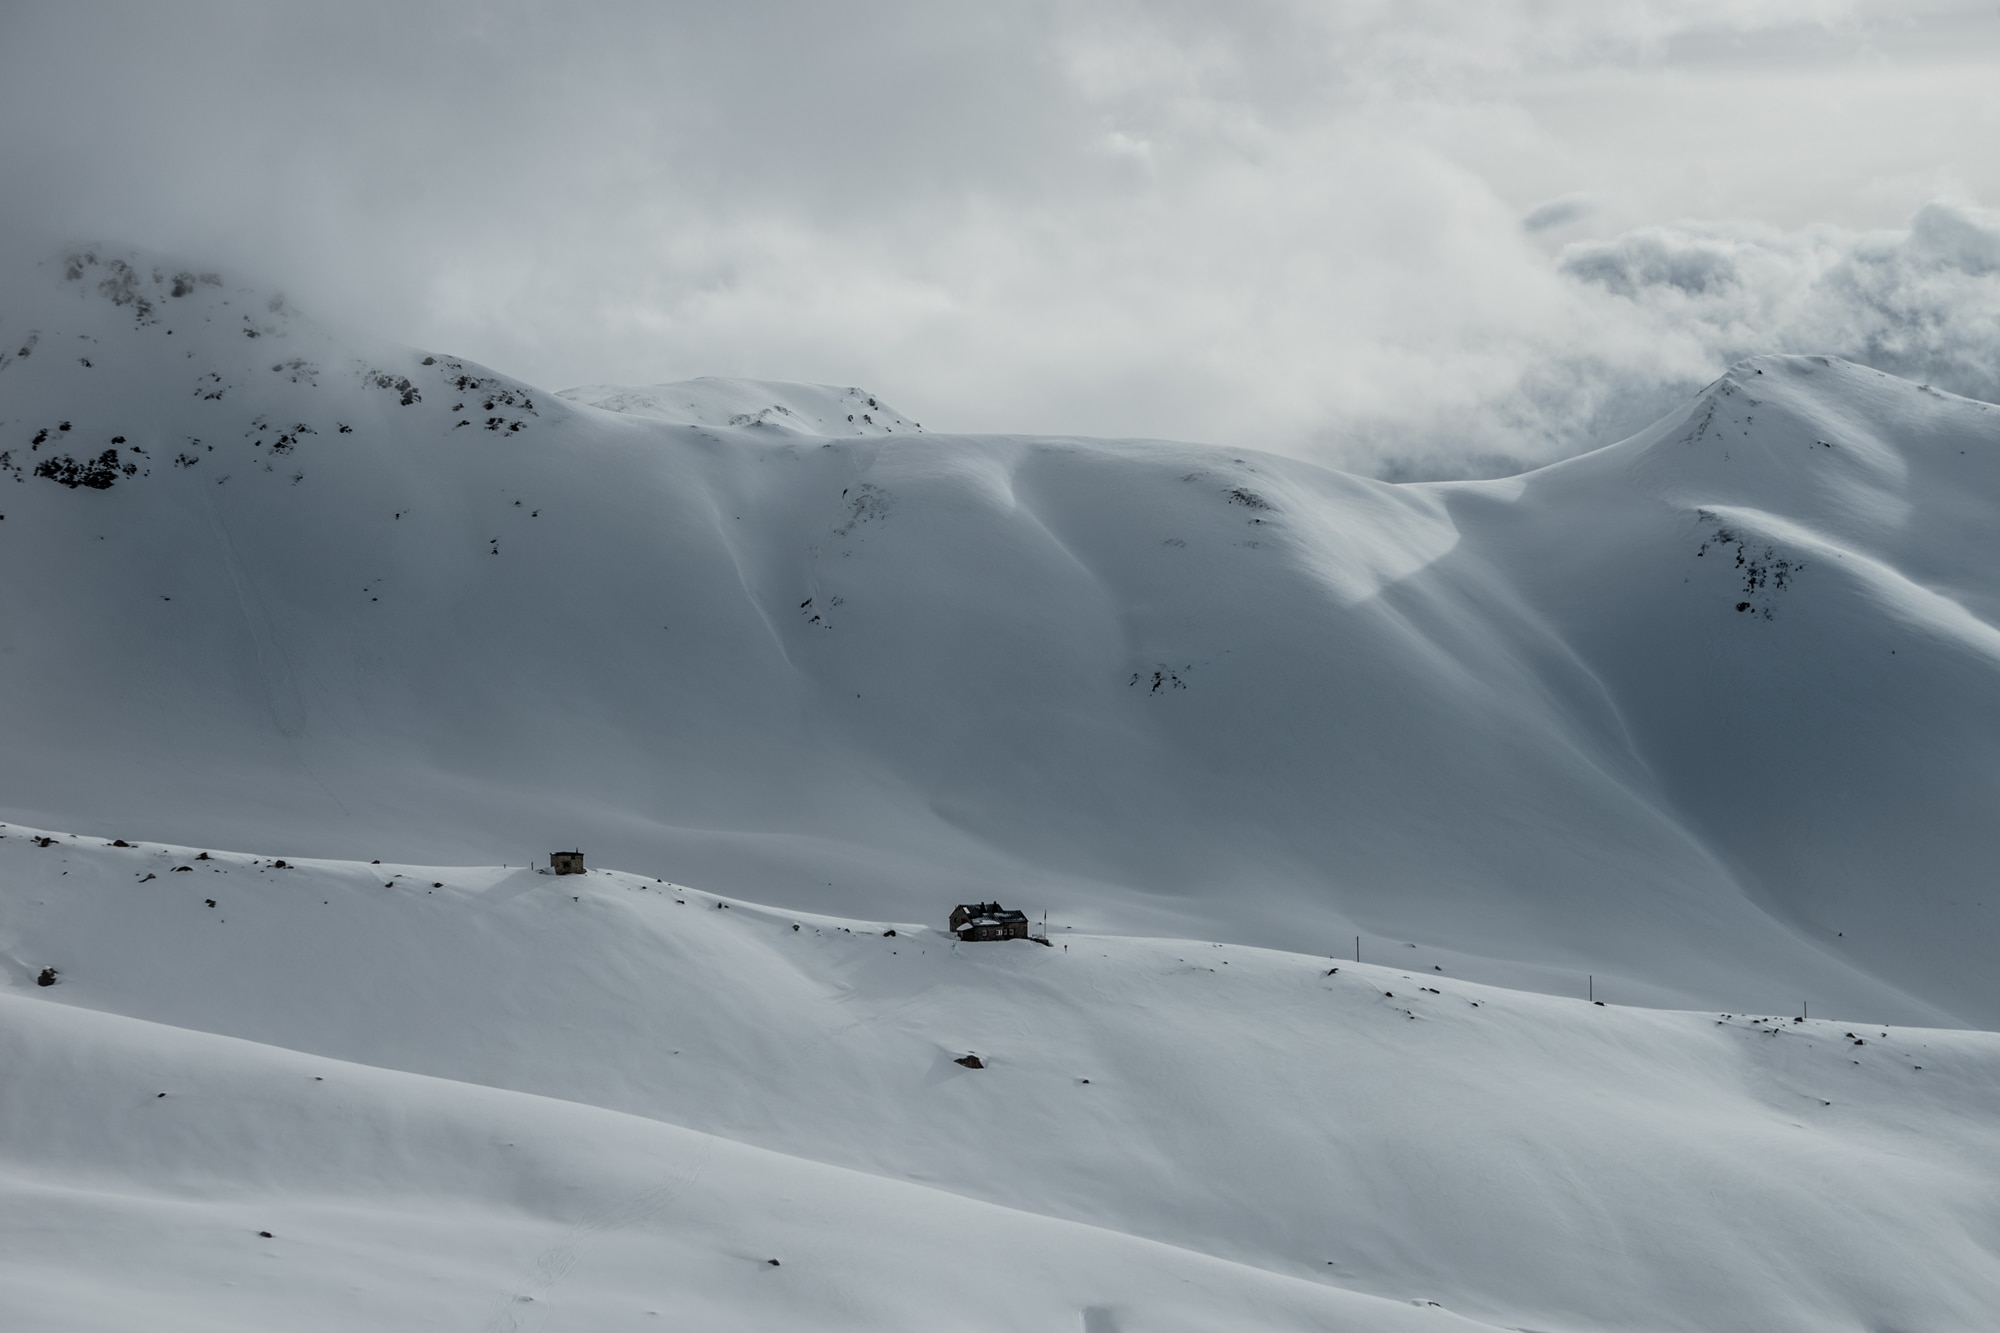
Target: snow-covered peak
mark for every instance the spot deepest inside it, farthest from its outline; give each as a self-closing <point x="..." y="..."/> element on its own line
<point x="774" y="405"/>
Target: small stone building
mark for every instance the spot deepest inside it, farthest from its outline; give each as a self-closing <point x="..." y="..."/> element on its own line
<point x="988" y="921"/>
<point x="566" y="863"/>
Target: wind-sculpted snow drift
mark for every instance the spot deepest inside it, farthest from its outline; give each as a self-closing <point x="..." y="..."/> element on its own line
<point x="1708" y="713"/>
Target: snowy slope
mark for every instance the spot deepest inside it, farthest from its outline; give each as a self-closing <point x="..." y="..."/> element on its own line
<point x="444" y="1090"/>
<point x="359" y="601"/>
<point x="799" y="409"/>
<point x="265" y="1189"/>
<point x="1802" y="646"/>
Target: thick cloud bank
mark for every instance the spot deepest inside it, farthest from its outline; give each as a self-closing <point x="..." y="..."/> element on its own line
<point x="1660" y="310"/>
<point x="1416" y="239"/>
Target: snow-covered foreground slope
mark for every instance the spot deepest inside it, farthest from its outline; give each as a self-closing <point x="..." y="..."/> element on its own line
<point x="259" y="1189"/>
<point x="1708" y="714"/>
<point x="445" y="1090"/>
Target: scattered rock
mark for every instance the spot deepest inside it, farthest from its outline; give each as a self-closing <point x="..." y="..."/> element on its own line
<point x="888" y="934"/>
<point x="970" y="1062"/>
<point x="98" y="474"/>
<point x="47" y="977"/>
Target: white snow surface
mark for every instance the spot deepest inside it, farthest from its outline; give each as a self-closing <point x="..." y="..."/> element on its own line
<point x="490" y="1098"/>
<point x="771" y="405"/>
<point x="1704" y="720"/>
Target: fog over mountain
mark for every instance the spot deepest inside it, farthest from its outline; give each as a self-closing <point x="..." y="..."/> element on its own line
<point x="1415" y="240"/>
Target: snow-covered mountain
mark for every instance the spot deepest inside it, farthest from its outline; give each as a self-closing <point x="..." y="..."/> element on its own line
<point x="292" y="619"/>
<point x="1707" y="714"/>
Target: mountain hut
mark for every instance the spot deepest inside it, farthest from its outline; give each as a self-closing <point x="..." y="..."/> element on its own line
<point x="988" y="921"/>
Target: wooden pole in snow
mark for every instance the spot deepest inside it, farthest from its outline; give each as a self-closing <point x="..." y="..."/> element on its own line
<point x="1357" y="948"/>
<point x="1591" y="994"/>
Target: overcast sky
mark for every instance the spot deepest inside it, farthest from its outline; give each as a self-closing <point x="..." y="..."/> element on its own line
<point x="1415" y="237"/>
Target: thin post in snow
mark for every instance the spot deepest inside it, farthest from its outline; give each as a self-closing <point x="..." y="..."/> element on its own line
<point x="1805" y="1009"/>
<point x="1591" y="993"/>
<point x="1357" y="948"/>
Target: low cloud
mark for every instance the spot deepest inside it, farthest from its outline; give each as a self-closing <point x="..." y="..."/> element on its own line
<point x="1558" y="213"/>
<point x="1658" y="311"/>
<point x="1295" y="226"/>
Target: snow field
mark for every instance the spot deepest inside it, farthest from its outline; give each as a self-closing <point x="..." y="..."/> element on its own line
<point x="1381" y="1133"/>
<point x="395" y="1201"/>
